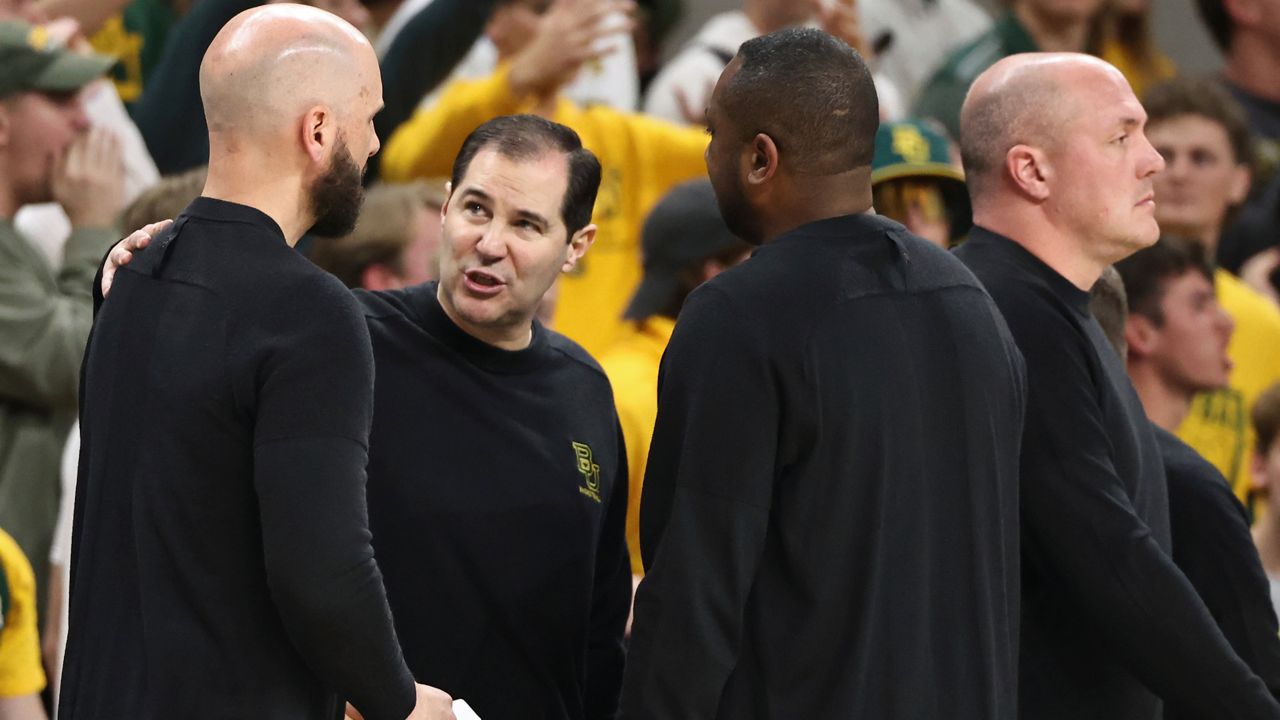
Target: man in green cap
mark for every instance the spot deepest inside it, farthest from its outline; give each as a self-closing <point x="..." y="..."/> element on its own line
<point x="916" y="181"/>
<point x="47" y="153"/>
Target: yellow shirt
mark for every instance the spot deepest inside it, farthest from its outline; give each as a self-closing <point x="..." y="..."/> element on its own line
<point x="1218" y="425"/>
<point x="641" y="159"/>
<point x="632" y="366"/>
<point x="20" y="670"/>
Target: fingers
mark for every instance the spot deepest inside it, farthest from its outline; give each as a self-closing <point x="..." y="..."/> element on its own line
<point x="122" y="253"/>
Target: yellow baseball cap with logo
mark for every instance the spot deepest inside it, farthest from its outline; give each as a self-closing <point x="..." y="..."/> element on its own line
<point x="31" y="60"/>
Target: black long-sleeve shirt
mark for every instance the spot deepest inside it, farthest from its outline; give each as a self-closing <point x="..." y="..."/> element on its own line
<point x="498" y="502"/>
<point x="1213" y="547"/>
<point x="830" y="508"/>
<point x="1108" y="621"/>
<point x="221" y="557"/>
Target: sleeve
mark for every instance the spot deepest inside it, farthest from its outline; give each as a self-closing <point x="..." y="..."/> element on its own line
<point x="610" y="602"/>
<point x="20" y="669"/>
<point x="314" y="406"/>
<point x="1080" y="527"/>
<point x="43" y="333"/>
<point x="426" y="144"/>
<point x="1222" y="563"/>
<point x="707" y="497"/>
<point x="423" y="54"/>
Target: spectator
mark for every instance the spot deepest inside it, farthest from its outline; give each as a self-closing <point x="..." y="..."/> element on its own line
<point x="1177" y="346"/>
<point x="45" y="315"/>
<point x="169" y="111"/>
<point x="1026" y="26"/>
<point x="1127" y="43"/>
<point x="21" y="677"/>
<point x="681" y="90"/>
<point x="1109" y="625"/>
<point x="642" y="157"/>
<point x="396" y="242"/>
<point x="788" y="572"/>
<point x="686" y="243"/>
<point x="1265" y="465"/>
<point x="910" y="39"/>
<point x="916" y="181"/>
<point x="1203" y="137"/>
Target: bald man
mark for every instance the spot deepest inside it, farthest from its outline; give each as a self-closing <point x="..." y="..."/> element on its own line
<point x="221" y="563"/>
<point x="1109" y="624"/>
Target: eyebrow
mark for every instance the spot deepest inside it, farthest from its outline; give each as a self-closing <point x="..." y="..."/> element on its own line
<point x="522" y="214"/>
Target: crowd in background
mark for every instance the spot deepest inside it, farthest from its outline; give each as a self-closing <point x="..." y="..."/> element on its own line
<point x="79" y="168"/>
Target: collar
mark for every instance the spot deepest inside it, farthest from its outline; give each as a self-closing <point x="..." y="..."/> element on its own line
<point x="425" y="302"/>
<point x="982" y="239"/>
<point x="207" y="208"/>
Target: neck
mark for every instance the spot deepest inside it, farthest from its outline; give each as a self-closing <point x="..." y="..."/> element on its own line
<point x="824" y="197"/>
<point x="1053" y="34"/>
<point x="1166" y="406"/>
<point x="236" y="177"/>
<point x="1266" y="535"/>
<point x="1252" y="65"/>
<point x="512" y="337"/>
<point x="1029" y="228"/>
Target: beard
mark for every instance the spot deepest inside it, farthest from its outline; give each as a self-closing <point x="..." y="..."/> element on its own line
<point x="336" y="196"/>
<point x="738" y="214"/>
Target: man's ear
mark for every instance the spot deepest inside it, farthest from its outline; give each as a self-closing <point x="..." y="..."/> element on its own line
<point x="319" y="133"/>
<point x="448" y="197"/>
<point x="1030" y="171"/>
<point x="380" y="276"/>
<point x="578" y="246"/>
<point x="760" y="159"/>
<point x="1141" y="335"/>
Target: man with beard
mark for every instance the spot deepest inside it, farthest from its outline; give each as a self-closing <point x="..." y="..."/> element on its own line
<point x="829" y="521"/>
<point x="1110" y="625"/>
<point x="221" y="562"/>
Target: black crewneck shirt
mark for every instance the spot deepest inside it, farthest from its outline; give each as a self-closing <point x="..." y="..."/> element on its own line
<point x="221" y="561"/>
<point x="830" y="507"/>
<point x="497" y="498"/>
<point x="1213" y="547"/>
<point x="1109" y="623"/>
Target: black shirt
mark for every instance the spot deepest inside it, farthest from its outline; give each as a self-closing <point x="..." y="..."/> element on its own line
<point x="1106" y="615"/>
<point x="498" y="502"/>
<point x="221" y="563"/>
<point x="1212" y="545"/>
<point x="829" y="517"/>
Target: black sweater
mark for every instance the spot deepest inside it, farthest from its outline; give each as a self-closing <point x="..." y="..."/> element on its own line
<point x="498" y="500"/>
<point x="1212" y="545"/>
<point x="1108" y="621"/>
<point x="829" y="523"/>
<point x="221" y="563"/>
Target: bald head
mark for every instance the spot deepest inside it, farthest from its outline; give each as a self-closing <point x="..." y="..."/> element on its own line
<point x="270" y="65"/>
<point x="1028" y="99"/>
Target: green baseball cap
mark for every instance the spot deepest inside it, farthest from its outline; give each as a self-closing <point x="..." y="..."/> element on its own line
<point x="911" y="148"/>
<point x="31" y="60"/>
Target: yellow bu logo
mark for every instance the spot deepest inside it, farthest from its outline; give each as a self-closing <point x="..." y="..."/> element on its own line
<point x="589" y="470"/>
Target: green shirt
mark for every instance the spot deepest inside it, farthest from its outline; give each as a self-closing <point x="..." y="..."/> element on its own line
<point x="944" y="94"/>
<point x="44" y="324"/>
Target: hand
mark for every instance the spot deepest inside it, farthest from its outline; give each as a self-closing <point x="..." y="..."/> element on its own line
<point x="694" y="111"/>
<point x="842" y="20"/>
<point x="432" y="704"/>
<point x="568" y="36"/>
<point x="89" y="180"/>
<point x="123" y="251"/>
<point x="1257" y="270"/>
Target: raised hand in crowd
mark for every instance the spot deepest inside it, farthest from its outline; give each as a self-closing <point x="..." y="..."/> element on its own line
<point x="842" y="19"/>
<point x="571" y="34"/>
<point x="1260" y="272"/>
<point x="89" y="179"/>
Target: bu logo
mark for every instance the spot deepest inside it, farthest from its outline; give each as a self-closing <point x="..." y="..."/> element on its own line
<point x="589" y="470"/>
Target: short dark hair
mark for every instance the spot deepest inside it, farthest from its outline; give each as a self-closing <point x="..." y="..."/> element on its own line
<point x="1218" y="21"/>
<point x="526" y="137"/>
<point x="1146" y="272"/>
<point x="1203" y="97"/>
<point x="812" y="94"/>
<point x="1266" y="419"/>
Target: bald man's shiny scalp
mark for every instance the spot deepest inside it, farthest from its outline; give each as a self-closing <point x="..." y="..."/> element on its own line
<point x="268" y="66"/>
